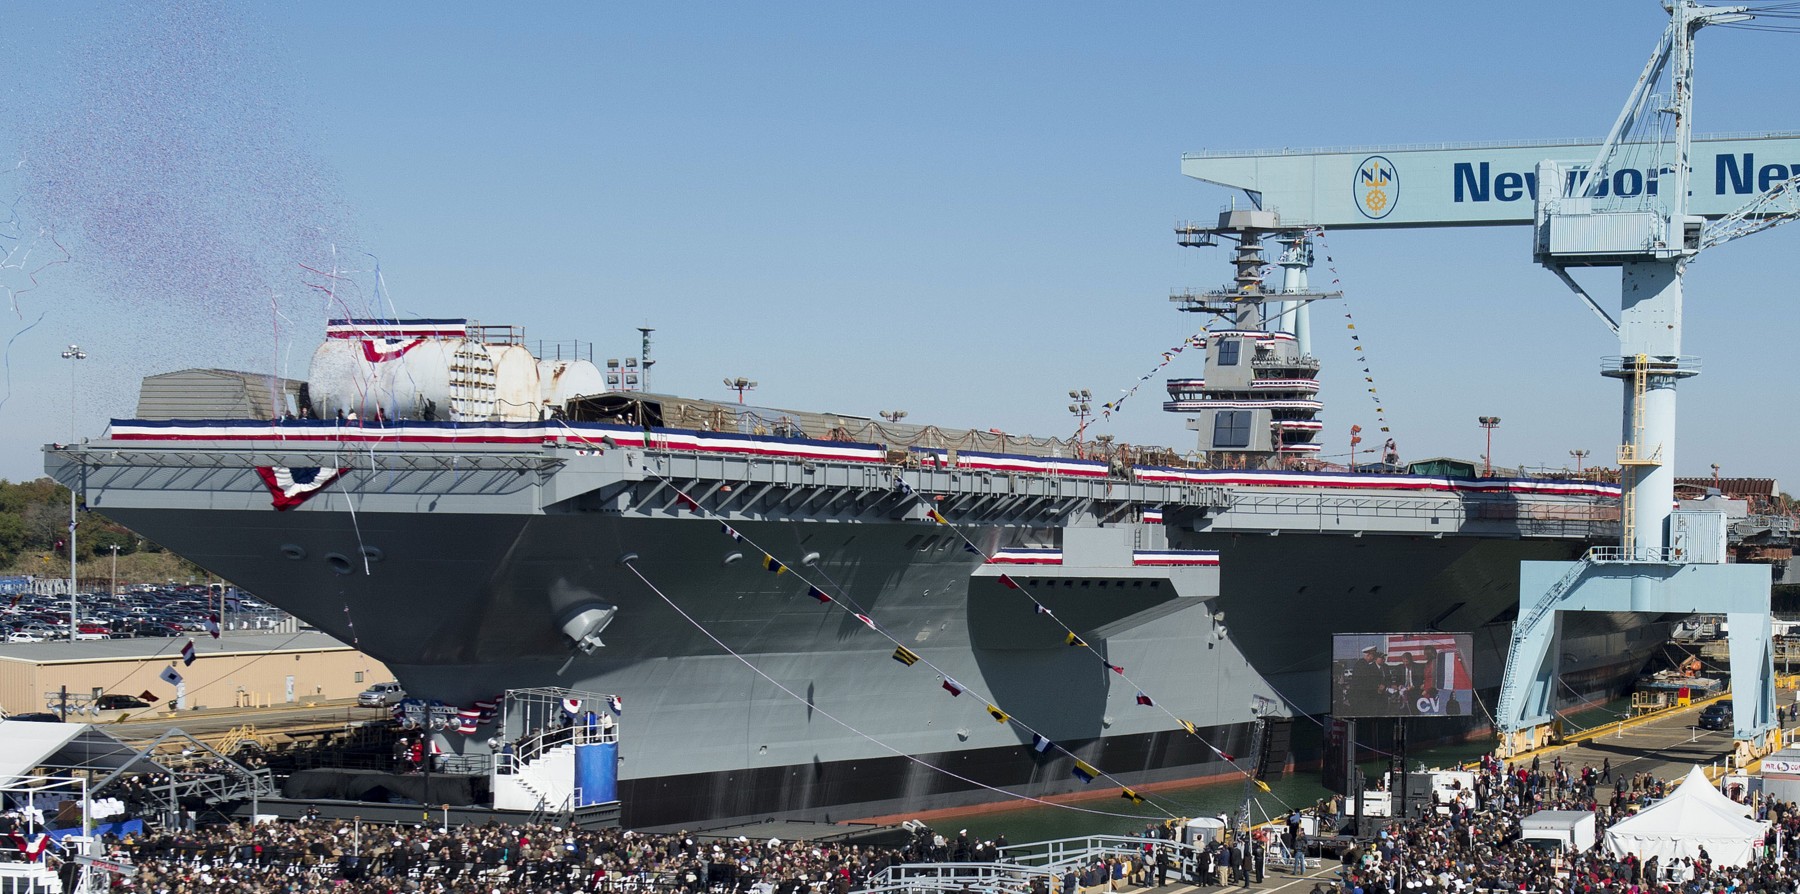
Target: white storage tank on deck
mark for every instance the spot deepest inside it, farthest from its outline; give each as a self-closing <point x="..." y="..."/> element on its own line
<point x="561" y="380"/>
<point x="517" y="396"/>
<point x="409" y="369"/>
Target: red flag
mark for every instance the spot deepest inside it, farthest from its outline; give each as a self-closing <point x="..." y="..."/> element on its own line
<point x="1007" y="582"/>
<point x="687" y="501"/>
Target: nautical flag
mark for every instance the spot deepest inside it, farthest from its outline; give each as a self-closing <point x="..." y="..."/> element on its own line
<point x="1222" y="754"/>
<point x="170" y="676"/>
<point x="1072" y="639"/>
<point x="1189" y="726"/>
<point x="1007" y="582"/>
<point x="1261" y="784"/>
<point x="867" y="621"/>
<point x="936" y="516"/>
<point x="572" y="706"/>
<point x="212" y="625"/>
<point x="773" y="564"/>
<point x="1131" y="796"/>
<point x="1039" y="744"/>
<point x="1083" y="771"/>
<point x="906" y="656"/>
<point x="292" y="486"/>
<point x="687" y="501"/>
<point x="1143" y="699"/>
<point x="730" y="531"/>
<point x="616" y="705"/>
<point x="952" y="687"/>
<point x="1041" y="609"/>
<point x="1115" y="668"/>
<point x="902" y="485"/>
<point x="149" y="696"/>
<point x="970" y="548"/>
<point x="187" y="654"/>
<point x="818" y="594"/>
<point x="998" y="715"/>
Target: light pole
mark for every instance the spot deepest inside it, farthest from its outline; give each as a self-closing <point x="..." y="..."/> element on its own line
<point x="1579" y="455"/>
<point x="74" y="353"/>
<point x="1082" y="408"/>
<point x="115" y="575"/>
<point x="1487" y="462"/>
<point x="740" y="385"/>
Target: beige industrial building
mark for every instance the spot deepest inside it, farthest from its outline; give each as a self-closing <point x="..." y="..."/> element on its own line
<point x="238" y="669"/>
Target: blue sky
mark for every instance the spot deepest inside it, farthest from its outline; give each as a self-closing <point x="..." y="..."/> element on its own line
<point x="960" y="210"/>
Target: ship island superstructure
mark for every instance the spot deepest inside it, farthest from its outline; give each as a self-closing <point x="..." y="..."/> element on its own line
<point x="482" y="519"/>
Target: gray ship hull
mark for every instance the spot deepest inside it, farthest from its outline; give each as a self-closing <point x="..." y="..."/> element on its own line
<point x="458" y="566"/>
<point x="462" y="607"/>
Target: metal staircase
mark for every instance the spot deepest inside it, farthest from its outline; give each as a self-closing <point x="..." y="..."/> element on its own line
<point x="1545" y="607"/>
<point x="1632" y="457"/>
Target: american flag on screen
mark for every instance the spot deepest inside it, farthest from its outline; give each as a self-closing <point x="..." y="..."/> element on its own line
<point x="1451" y="672"/>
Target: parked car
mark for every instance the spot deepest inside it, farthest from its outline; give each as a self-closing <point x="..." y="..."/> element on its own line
<point x="119" y="702"/>
<point x="24" y="637"/>
<point x="381" y="695"/>
<point x="1716" y="716"/>
<point x="35" y="717"/>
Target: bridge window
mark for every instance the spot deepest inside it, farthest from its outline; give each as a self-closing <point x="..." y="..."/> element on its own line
<point x="1231" y="428"/>
<point x="1228" y="351"/>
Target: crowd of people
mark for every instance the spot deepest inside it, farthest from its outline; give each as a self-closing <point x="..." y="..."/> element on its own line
<point x="1466" y="844"/>
<point x="1462" y="840"/>
<point x="312" y="854"/>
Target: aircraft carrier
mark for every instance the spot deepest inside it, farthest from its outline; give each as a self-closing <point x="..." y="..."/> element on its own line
<point x="482" y="518"/>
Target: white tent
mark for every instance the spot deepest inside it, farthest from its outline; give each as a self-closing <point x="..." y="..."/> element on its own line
<point x="1693" y="816"/>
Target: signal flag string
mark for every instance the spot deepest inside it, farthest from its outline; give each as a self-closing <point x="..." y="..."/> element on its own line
<point x="1197" y="340"/>
<point x="630" y="564"/>
<point x="907" y="657"/>
<point x="1362" y="357"/>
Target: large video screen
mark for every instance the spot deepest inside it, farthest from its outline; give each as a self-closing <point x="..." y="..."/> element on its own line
<point x="1401" y="675"/>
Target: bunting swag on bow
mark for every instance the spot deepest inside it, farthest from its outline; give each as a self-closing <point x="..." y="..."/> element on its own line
<point x="289" y="487"/>
<point x="1113" y="406"/>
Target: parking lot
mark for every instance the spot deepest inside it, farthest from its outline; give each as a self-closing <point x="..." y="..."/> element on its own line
<point x="137" y="611"/>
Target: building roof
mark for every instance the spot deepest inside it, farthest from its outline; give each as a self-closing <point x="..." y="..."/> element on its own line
<point x="152" y="648"/>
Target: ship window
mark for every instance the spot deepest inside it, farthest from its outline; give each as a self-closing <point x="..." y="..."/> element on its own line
<point x="1228" y="351"/>
<point x="1231" y="428"/>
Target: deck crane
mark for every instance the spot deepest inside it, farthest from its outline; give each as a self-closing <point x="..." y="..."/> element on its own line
<point x="1627" y="206"/>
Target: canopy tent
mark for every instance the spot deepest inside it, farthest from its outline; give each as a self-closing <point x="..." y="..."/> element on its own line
<point x="27" y="746"/>
<point x="1694" y="816"/>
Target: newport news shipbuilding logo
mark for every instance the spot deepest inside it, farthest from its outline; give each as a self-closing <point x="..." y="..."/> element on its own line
<point x="1377" y="187"/>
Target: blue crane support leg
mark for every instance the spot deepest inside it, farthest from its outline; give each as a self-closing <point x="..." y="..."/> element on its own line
<point x="1740" y="592"/>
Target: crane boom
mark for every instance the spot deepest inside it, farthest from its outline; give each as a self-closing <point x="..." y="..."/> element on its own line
<point x="1477" y="184"/>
